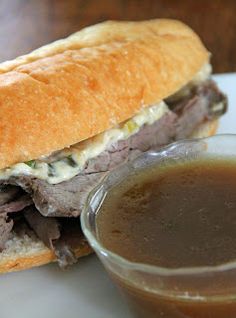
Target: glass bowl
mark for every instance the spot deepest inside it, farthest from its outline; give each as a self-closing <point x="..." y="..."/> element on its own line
<point x="152" y="291"/>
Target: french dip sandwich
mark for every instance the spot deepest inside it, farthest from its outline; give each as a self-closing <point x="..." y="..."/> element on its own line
<point x="73" y="110"/>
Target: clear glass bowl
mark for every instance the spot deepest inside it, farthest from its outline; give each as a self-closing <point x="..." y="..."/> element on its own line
<point x="199" y="292"/>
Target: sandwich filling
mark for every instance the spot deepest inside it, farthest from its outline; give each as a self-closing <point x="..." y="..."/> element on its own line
<point x="46" y="195"/>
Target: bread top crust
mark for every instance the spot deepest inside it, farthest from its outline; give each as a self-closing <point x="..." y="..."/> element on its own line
<point x="75" y="88"/>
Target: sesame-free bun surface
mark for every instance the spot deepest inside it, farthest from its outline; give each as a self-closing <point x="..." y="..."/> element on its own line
<point x="75" y="88"/>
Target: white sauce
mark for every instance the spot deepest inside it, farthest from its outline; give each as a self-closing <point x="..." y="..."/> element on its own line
<point x="83" y="151"/>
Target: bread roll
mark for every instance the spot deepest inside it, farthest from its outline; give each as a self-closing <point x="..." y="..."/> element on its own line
<point x="75" y="88"/>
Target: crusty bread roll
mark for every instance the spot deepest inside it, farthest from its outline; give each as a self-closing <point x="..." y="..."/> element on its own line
<point x="28" y="251"/>
<point x="24" y="251"/>
<point x="73" y="89"/>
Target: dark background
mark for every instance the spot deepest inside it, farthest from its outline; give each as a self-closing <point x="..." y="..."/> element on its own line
<point x="28" y="24"/>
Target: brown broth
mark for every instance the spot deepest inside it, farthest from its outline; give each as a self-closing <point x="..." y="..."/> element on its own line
<point x="175" y="216"/>
<point x="178" y="216"/>
<point x="145" y="304"/>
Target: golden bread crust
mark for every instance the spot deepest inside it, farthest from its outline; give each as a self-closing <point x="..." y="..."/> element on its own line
<point x="78" y="87"/>
<point x="39" y="258"/>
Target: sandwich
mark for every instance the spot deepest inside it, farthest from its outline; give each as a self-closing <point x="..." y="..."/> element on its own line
<point x="75" y="109"/>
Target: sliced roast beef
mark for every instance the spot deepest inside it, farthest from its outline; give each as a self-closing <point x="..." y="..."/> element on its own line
<point x="62" y="199"/>
<point x="5" y="230"/>
<point x="11" y="200"/>
<point x="209" y="90"/>
<point x="148" y="137"/>
<point x="198" y="107"/>
<point x="71" y="237"/>
<point x="54" y="233"/>
<point x="16" y="205"/>
<point x="64" y="253"/>
<point x="47" y="229"/>
<point x="8" y="193"/>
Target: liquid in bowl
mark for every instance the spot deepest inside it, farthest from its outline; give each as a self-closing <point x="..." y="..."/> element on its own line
<point x="168" y="234"/>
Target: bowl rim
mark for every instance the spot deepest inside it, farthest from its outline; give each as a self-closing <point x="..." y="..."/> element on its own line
<point x="142" y="267"/>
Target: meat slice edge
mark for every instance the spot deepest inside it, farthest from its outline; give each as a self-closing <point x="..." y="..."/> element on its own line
<point x="11" y="200"/>
<point x="49" y="231"/>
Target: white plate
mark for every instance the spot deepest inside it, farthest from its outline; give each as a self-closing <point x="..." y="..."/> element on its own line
<point x="85" y="290"/>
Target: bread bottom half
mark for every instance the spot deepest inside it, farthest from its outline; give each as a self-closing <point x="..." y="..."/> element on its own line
<point x="24" y="251"/>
